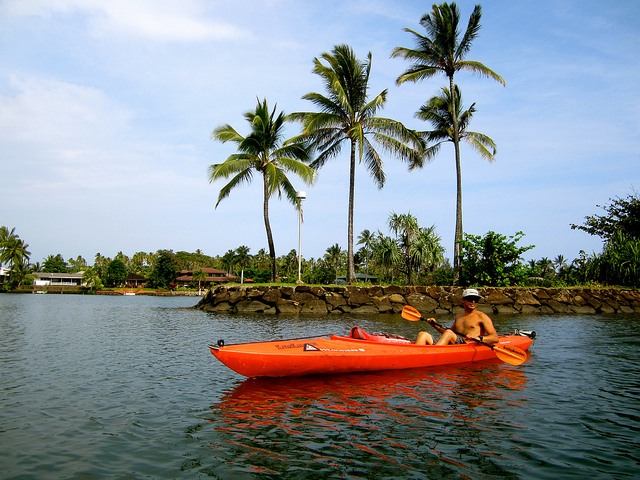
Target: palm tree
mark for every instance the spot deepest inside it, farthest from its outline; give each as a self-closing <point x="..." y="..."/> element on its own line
<point x="546" y="267"/>
<point x="442" y="50"/>
<point x="560" y="263"/>
<point x="91" y="278"/>
<point x="228" y="260"/>
<point x="7" y="237"/>
<point x="387" y="254"/>
<point x="14" y="252"/>
<point x="366" y="239"/>
<point x="200" y="276"/>
<point x="347" y="115"/>
<point x="289" y="263"/>
<point x="265" y="152"/>
<point x="418" y="247"/>
<point x="23" y="271"/>
<point x="242" y="257"/>
<point x="405" y="227"/>
<point x="334" y="256"/>
<point x="426" y="251"/>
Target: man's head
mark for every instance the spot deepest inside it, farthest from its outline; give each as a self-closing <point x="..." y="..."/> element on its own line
<point x="471" y="295"/>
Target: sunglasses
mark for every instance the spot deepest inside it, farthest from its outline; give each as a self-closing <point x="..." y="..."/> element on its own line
<point x="472" y="299"/>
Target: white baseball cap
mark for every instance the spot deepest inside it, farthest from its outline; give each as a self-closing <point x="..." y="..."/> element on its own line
<point x="471" y="292"/>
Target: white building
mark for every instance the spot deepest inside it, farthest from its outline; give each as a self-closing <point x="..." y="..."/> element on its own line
<point x="58" y="279"/>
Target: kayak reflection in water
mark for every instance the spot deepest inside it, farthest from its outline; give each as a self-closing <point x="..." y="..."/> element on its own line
<point x="469" y="325"/>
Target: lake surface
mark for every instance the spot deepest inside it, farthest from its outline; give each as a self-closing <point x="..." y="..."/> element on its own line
<point x="125" y="387"/>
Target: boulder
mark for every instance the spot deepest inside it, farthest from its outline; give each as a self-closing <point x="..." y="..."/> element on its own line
<point x="314" y="306"/>
<point x="357" y="298"/>
<point x="334" y="300"/>
<point x="254" y="306"/>
<point x="287" y="306"/>
<point x="397" y="298"/>
<point x="271" y="296"/>
<point x="498" y="298"/>
<point x="422" y="302"/>
<point x="525" y="297"/>
<point x="383" y="304"/>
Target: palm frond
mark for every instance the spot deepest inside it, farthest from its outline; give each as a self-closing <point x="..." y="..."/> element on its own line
<point x="480" y="69"/>
<point x="226" y="133"/>
<point x="482" y="144"/>
<point x="242" y="177"/>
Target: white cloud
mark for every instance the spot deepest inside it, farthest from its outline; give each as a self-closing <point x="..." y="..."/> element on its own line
<point x="156" y="20"/>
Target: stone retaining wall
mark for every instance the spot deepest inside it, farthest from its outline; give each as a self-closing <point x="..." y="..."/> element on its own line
<point x="431" y="300"/>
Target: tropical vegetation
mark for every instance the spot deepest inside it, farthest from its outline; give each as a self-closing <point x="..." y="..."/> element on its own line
<point x="407" y="254"/>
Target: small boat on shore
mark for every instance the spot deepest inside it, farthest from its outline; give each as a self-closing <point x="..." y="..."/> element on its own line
<point x="358" y="352"/>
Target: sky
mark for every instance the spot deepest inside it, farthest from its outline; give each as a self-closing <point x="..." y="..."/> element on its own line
<point x="106" y="112"/>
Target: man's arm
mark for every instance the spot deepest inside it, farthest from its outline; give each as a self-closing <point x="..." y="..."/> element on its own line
<point x="490" y="334"/>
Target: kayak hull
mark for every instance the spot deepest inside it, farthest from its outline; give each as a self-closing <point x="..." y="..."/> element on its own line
<point x="314" y="356"/>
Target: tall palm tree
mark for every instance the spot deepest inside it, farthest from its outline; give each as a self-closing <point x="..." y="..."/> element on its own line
<point x="263" y="151"/>
<point x="347" y="115"/>
<point x="442" y="50"/>
<point x="439" y="111"/>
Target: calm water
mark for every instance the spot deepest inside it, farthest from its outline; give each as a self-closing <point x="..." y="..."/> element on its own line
<point x="125" y="387"/>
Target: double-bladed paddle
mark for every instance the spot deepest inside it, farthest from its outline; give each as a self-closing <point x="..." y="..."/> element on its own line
<point x="507" y="353"/>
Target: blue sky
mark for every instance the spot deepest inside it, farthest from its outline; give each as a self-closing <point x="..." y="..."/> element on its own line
<point x="106" y="110"/>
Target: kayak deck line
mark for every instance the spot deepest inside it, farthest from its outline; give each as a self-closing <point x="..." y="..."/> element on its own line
<point x="341" y="354"/>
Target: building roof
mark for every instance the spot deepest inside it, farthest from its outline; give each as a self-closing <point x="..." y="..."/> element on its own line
<point x="46" y="275"/>
<point x="209" y="271"/>
<point x="226" y="278"/>
<point x="135" y="276"/>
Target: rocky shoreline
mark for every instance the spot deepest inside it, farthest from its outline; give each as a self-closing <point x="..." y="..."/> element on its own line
<point x="432" y="300"/>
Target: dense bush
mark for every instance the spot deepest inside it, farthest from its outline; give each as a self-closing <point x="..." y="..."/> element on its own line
<point x="492" y="260"/>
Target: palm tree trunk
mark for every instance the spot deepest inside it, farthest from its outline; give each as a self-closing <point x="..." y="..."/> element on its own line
<point x="456" y="144"/>
<point x="351" y="270"/>
<point x="267" y="226"/>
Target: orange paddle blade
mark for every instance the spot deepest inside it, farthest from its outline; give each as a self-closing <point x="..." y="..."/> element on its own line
<point x="510" y="354"/>
<point x="411" y="314"/>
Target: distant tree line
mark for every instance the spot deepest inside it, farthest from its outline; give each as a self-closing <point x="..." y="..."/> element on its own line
<point x="409" y="254"/>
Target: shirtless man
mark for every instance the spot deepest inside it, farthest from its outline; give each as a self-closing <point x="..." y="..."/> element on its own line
<point x="472" y="323"/>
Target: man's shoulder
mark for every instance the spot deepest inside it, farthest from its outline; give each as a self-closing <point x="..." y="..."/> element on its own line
<point x="484" y="316"/>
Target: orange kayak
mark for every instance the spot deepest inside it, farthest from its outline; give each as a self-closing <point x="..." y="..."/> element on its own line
<point x="313" y="356"/>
